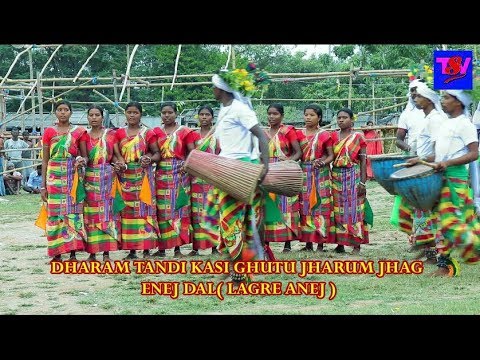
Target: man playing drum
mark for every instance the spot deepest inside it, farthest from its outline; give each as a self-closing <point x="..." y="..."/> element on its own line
<point x="456" y="144"/>
<point x="241" y="138"/>
<point x="419" y="224"/>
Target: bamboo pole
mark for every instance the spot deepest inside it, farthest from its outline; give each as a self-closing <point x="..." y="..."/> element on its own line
<point x="373" y="102"/>
<point x="13" y="63"/>
<point x="23" y="167"/>
<point x="176" y="65"/>
<point x="350" y="87"/>
<point x="85" y="64"/>
<point x="23" y="110"/>
<point x="108" y="100"/>
<point x="39" y="94"/>
<point x="228" y="57"/>
<point x="53" y="105"/>
<point x="128" y="56"/>
<point x="30" y="65"/>
<point x="384" y="108"/>
<point x="3" y="114"/>
<point x="115" y="95"/>
<point x="127" y="74"/>
<point x="10" y="150"/>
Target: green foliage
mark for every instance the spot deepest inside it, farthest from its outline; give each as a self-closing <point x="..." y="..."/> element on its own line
<point x="343" y="52"/>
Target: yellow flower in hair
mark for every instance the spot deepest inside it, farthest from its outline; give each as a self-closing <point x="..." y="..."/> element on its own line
<point x="355" y="117"/>
<point x="246" y="81"/>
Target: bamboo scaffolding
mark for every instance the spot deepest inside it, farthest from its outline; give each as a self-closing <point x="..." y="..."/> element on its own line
<point x="13" y="64"/>
<point x="43" y="103"/>
<point x="362" y="73"/>
<point x="39" y="76"/>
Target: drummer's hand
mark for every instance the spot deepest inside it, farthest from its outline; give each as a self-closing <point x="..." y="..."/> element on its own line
<point x="263" y="174"/>
<point x="440" y="166"/>
<point x="413" y="161"/>
<point x="361" y="190"/>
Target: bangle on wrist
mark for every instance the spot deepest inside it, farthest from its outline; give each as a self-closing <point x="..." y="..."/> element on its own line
<point x="362" y="183"/>
<point x="42" y="188"/>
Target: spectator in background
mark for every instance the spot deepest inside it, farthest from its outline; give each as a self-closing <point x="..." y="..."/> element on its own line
<point x="27" y="154"/>
<point x="15" y="144"/>
<point x="34" y="182"/>
<point x="373" y="147"/>
<point x="12" y="180"/>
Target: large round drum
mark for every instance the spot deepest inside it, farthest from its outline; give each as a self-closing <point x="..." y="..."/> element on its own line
<point x="419" y="185"/>
<point x="237" y="178"/>
<point x="382" y="167"/>
<point x="284" y="178"/>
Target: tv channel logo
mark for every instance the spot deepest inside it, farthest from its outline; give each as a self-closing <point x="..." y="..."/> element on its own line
<point x="453" y="70"/>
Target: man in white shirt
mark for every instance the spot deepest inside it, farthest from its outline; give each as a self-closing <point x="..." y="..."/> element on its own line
<point x="241" y="138"/>
<point x="411" y="122"/>
<point x="15" y="144"/>
<point x="421" y="225"/>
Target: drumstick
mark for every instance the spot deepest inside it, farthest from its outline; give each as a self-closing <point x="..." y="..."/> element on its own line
<point x="401" y="164"/>
<point x="427" y="163"/>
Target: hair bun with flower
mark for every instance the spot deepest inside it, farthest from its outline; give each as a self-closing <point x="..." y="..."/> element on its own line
<point x="422" y="72"/>
<point x="247" y="81"/>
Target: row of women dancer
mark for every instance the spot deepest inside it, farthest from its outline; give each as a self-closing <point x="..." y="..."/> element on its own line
<point x="129" y="204"/>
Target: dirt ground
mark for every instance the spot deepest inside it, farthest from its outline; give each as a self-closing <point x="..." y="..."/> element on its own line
<point x="27" y="285"/>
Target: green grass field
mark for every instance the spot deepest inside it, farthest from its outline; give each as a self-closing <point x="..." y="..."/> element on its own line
<point x="28" y="287"/>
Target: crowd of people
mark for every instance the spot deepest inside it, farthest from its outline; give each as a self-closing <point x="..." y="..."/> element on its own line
<point x="128" y="189"/>
<point x="14" y="157"/>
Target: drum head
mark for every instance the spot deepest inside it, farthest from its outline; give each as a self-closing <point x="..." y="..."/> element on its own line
<point x="417" y="170"/>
